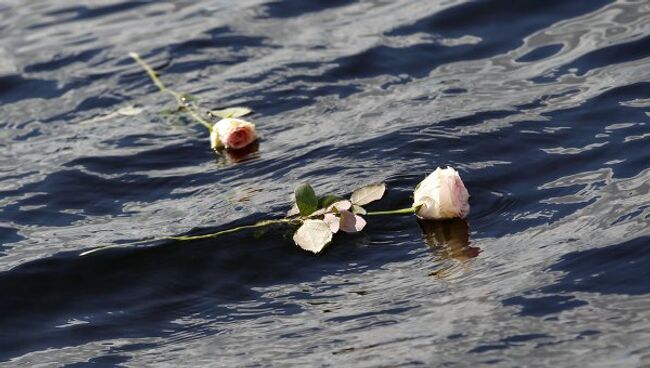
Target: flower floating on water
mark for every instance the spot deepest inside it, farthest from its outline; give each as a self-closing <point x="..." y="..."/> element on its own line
<point x="232" y="133"/>
<point x="228" y="133"/>
<point x="441" y="195"/>
<point x="317" y="219"/>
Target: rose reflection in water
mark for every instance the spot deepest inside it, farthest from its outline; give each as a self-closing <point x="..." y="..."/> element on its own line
<point x="449" y="240"/>
<point x="239" y="155"/>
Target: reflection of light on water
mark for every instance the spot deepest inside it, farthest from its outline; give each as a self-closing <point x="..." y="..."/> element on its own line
<point x="449" y="241"/>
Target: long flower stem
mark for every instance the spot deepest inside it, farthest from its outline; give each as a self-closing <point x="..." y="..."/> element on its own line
<point x="260" y="224"/>
<point x="180" y="99"/>
<point x="263" y="223"/>
<point x="401" y="211"/>
<point x="256" y="225"/>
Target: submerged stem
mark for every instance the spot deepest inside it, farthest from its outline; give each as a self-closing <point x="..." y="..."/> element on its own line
<point x="259" y="224"/>
<point x="180" y="99"/>
<point x="263" y="223"/>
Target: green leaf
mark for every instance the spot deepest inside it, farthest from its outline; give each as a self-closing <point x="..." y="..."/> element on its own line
<point x="367" y="194"/>
<point x="327" y="200"/>
<point x="231" y="112"/>
<point x="306" y="199"/>
<point x="313" y="235"/>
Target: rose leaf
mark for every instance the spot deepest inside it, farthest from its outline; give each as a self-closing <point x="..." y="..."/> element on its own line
<point x="306" y="199"/>
<point x="231" y="112"/>
<point x="367" y="194"/>
<point x="130" y="110"/>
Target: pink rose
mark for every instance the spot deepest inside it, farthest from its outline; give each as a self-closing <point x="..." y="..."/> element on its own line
<point x="441" y="195"/>
<point x="232" y="133"/>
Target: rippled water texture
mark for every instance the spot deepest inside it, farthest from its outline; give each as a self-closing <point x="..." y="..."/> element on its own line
<point x="543" y="106"/>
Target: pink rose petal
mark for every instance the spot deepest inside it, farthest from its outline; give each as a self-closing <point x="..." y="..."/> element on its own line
<point x="332" y="221"/>
<point x="340" y="206"/>
<point x="447" y="198"/>
<point x="360" y="223"/>
<point x="461" y="196"/>
<point x="351" y="223"/>
<point x="235" y="133"/>
<point x="239" y="137"/>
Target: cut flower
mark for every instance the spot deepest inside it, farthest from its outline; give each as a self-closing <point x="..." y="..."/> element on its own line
<point x="441" y="195"/>
<point x="232" y="133"/>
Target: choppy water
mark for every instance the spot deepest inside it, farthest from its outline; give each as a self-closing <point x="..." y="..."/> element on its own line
<point x="543" y="106"/>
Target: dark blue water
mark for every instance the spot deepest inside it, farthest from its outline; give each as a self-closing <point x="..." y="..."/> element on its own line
<point x="543" y="106"/>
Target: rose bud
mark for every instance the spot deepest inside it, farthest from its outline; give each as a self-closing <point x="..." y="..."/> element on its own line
<point x="232" y="133"/>
<point x="441" y="195"/>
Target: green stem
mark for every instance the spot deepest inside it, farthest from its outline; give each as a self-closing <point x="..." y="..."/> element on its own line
<point x="401" y="211"/>
<point x="263" y="223"/>
<point x="259" y="224"/>
<point x="180" y="100"/>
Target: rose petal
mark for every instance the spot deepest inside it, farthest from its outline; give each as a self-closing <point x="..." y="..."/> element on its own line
<point x="463" y="198"/>
<point x="313" y="235"/>
<point x="332" y="221"/>
<point x="447" y="206"/>
<point x="214" y="139"/>
<point x="360" y="223"/>
<point x="239" y="137"/>
<point x="351" y="223"/>
<point x="428" y="208"/>
<point x="340" y="206"/>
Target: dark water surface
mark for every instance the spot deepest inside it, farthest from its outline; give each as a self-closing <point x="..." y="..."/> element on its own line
<point x="543" y="106"/>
